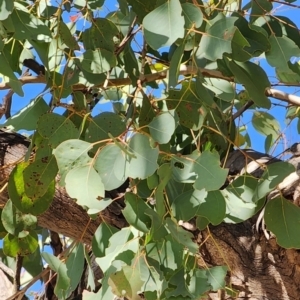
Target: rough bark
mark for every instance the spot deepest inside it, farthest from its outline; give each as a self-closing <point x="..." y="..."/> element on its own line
<point x="259" y="268"/>
<point x="64" y="215"/>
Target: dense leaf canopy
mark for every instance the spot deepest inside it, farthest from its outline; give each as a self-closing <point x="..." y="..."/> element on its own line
<point x="174" y="78"/>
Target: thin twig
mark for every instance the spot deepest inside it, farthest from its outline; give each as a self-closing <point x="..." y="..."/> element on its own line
<point x="128" y="37"/>
<point x="286" y="3"/>
<point x="242" y="109"/>
<point x="20" y="294"/>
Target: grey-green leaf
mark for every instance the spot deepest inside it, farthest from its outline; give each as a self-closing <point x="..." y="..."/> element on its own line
<point x="164" y="25"/>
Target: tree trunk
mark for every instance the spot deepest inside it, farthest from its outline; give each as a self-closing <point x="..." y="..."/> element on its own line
<point x="258" y="268"/>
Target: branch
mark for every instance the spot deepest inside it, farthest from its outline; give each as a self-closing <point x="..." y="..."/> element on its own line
<point x="289" y="98"/>
<point x="17" y="283"/>
<point x="184" y="70"/>
<point x="24" y="80"/>
<point x="242" y="109"/>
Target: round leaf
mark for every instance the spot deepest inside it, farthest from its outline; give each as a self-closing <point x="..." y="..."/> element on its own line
<point x="13" y="246"/>
<point x="108" y="166"/>
<point x="280" y="217"/>
<point x="56" y="128"/>
<point x="102" y="125"/>
<point x="71" y="154"/>
<point x="16" y="191"/>
<point x="162" y="127"/>
<point x="164" y="25"/>
<point x="144" y="161"/>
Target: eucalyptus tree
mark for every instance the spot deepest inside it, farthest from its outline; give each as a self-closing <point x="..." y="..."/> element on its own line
<point x="136" y="167"/>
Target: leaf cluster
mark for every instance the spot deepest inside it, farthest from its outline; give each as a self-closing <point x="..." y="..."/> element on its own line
<point x="173" y="73"/>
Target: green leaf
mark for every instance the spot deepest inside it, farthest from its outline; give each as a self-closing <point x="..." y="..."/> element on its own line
<point x="290" y="76"/>
<point x="16" y="191"/>
<point x="71" y="154"/>
<point x="164" y="25"/>
<point x="6" y="70"/>
<point x="120" y="242"/>
<point x="256" y="37"/>
<point x="13" y="246"/>
<point x="126" y="283"/>
<point x="55" y="54"/>
<point x="216" y="277"/>
<point x="28" y="26"/>
<point x="152" y="278"/>
<point x="32" y="263"/>
<point x="60" y="89"/>
<point x="75" y="266"/>
<point x="85" y="185"/>
<point x="210" y="175"/>
<point x="280" y="218"/>
<point x="192" y="15"/>
<point x="212" y="206"/>
<point x="104" y="124"/>
<point x="113" y="94"/>
<point x="167" y="252"/>
<point x="239" y="199"/>
<point x="222" y="88"/>
<point x="273" y="175"/>
<point x="162" y="127"/>
<point x="100" y="35"/>
<point x="175" y="65"/>
<point x="158" y="230"/>
<point x="144" y="162"/>
<point x="282" y="49"/>
<point x="122" y="20"/>
<point x="254" y="79"/>
<point x="259" y="8"/>
<point x="134" y="212"/>
<point x="181" y="290"/>
<point x="15" y="222"/>
<point x="39" y="176"/>
<point x="198" y="284"/>
<point x="109" y="168"/>
<point x="146" y="112"/>
<point x="181" y="235"/>
<point x="218" y="39"/>
<point x="27" y="117"/>
<point x="7" y="7"/>
<point x="101" y="238"/>
<point x="153" y="181"/>
<point x="181" y="202"/>
<point x="239" y="47"/>
<point x="142" y="8"/>
<point x="64" y="32"/>
<point x="183" y="167"/>
<point x="164" y="173"/>
<point x="186" y="103"/>
<point x="204" y="95"/>
<point x="201" y="223"/>
<point x="56" y="128"/>
<point x="131" y="64"/>
<point x="62" y="281"/>
<point x="266" y="124"/>
<point x="98" y="61"/>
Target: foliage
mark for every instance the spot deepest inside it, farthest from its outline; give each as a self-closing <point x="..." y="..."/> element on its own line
<point x="169" y="133"/>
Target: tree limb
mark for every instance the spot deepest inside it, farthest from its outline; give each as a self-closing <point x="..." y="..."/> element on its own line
<point x="184" y="70"/>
